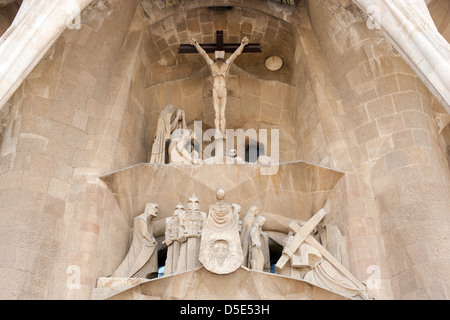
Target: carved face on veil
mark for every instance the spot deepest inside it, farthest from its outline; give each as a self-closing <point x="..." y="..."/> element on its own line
<point x="219" y="250"/>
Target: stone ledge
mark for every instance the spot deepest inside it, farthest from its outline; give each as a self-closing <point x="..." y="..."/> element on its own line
<point x="200" y="284"/>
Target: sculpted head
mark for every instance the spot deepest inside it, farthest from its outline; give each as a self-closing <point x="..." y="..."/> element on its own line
<point x="168" y="109"/>
<point x="220" y="193"/>
<point x="151" y="209"/>
<point x="260" y="220"/>
<point x="254" y="211"/>
<point x="178" y="209"/>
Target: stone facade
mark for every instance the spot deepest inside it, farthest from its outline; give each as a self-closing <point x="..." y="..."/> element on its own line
<point x="345" y="101"/>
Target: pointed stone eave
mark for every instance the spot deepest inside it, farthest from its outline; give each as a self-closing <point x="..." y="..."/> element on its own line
<point x="37" y="26"/>
<point x="408" y="26"/>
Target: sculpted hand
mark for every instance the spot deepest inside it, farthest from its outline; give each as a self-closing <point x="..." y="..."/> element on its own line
<point x="193" y="41"/>
<point x="179" y="114"/>
<point x="245" y="40"/>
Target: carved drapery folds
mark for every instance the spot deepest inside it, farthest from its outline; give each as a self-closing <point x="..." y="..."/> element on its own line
<point x="142" y="259"/>
<point x="313" y="251"/>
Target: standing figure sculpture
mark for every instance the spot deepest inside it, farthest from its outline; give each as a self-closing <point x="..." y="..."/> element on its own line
<point x="247" y="224"/>
<point x="142" y="258"/>
<point x="169" y="120"/>
<point x="189" y="235"/>
<point x="258" y="246"/>
<point x="171" y="240"/>
<point x="220" y="69"/>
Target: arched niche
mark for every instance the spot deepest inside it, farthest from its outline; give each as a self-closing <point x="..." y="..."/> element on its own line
<point x="163" y="37"/>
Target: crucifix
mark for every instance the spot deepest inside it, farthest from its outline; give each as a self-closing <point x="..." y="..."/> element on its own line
<point x="220" y="69"/>
<point x="303" y="234"/>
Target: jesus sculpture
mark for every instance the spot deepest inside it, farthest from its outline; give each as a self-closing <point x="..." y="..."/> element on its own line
<point x="220" y="69"/>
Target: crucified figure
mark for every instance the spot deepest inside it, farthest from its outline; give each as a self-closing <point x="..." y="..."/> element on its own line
<point x="220" y="69"/>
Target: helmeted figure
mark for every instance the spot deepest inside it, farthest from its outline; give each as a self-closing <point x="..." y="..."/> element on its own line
<point x="189" y="235"/>
<point x="171" y="240"/>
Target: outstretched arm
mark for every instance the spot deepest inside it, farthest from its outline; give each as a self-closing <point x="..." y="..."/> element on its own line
<point x="202" y="52"/>
<point x="238" y="51"/>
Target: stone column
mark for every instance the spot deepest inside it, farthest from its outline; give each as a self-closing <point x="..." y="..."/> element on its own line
<point x="60" y="226"/>
<point x="411" y="30"/>
<point x="36" y="27"/>
<point x="397" y="187"/>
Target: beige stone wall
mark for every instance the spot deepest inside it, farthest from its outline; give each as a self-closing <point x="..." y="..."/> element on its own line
<point x="396" y="196"/>
<point x="257" y="98"/>
<point x="65" y="128"/>
<point x="323" y="137"/>
<point x="344" y="99"/>
<point x="4" y="116"/>
<point x="88" y="109"/>
<point x="165" y="35"/>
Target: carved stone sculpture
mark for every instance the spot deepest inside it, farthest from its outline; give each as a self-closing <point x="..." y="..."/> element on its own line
<point x="332" y="239"/>
<point x="220" y="69"/>
<point x="234" y="155"/>
<point x="181" y="150"/>
<point x="142" y="258"/>
<point x="308" y="264"/>
<point x="305" y="258"/>
<point x="247" y="224"/>
<point x="189" y="235"/>
<point x="259" y="245"/>
<point x="220" y="248"/>
<point x="169" y="121"/>
<point x="171" y="240"/>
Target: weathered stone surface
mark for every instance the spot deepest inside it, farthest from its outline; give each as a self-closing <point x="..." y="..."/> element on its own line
<point x="80" y="103"/>
<point x="297" y="191"/>
<point x="220" y="247"/>
<point x="244" y="284"/>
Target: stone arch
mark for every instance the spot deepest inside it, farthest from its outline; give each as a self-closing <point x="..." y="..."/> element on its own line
<point x="155" y="11"/>
<point x="163" y="37"/>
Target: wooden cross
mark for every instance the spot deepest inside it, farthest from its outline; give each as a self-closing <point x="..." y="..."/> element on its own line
<point x="303" y="234"/>
<point x="220" y="46"/>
